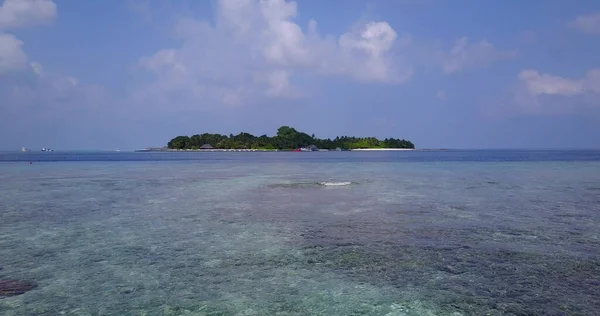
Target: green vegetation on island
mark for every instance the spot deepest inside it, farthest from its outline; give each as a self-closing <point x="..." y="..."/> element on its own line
<point x="287" y="138"/>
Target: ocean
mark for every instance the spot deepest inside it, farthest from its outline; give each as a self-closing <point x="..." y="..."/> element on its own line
<point x="490" y="232"/>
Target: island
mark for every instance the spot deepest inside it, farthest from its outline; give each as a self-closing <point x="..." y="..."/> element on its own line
<point x="287" y="138"/>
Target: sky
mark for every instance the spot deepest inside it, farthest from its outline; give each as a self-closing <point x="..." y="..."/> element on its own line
<point x="130" y="74"/>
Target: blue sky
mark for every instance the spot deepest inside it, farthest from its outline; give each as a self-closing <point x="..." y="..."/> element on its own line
<point x="452" y="74"/>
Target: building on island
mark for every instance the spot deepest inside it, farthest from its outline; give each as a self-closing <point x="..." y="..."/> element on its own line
<point x="206" y="146"/>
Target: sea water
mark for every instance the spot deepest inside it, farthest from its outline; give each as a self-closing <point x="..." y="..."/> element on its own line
<point x="323" y="233"/>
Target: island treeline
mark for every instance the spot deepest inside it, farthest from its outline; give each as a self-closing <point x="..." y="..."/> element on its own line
<point x="286" y="138"/>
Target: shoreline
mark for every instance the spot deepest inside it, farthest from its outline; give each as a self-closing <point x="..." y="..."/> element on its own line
<point x="382" y="149"/>
<point x="262" y="150"/>
<point x="201" y="150"/>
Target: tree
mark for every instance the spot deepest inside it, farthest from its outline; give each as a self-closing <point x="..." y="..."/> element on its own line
<point x="179" y="142"/>
<point x="286" y="138"/>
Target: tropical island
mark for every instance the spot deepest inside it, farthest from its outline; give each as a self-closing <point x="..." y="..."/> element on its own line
<point x="287" y="138"/>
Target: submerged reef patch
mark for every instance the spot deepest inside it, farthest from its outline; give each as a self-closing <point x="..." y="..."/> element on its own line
<point x="14" y="287"/>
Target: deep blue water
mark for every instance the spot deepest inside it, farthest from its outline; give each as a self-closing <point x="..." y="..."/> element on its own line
<point x="403" y="233"/>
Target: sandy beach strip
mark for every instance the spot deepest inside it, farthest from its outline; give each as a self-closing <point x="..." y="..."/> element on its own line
<point x="381" y="149"/>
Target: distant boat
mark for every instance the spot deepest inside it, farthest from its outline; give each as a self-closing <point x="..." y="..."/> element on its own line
<point x="310" y="148"/>
<point x="47" y="149"/>
<point x="23" y="149"/>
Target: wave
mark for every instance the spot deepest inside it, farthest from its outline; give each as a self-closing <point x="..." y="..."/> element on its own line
<point x="311" y="184"/>
<point x="292" y="185"/>
<point x="335" y="184"/>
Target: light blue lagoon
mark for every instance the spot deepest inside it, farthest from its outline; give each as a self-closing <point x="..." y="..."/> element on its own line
<point x="412" y="233"/>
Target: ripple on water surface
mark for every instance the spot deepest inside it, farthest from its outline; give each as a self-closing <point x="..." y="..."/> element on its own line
<point x="251" y="239"/>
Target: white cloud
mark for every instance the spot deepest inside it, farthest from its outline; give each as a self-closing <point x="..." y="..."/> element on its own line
<point x="18" y="13"/>
<point x="256" y="49"/>
<point x="37" y="87"/>
<point x="467" y="55"/>
<point x="164" y="60"/>
<point x="540" y="84"/>
<point x="12" y="56"/>
<point x="48" y="92"/>
<point x="279" y="83"/>
<point x="368" y="49"/>
<point x="537" y="89"/>
<point x="37" y="68"/>
<point x="589" y="23"/>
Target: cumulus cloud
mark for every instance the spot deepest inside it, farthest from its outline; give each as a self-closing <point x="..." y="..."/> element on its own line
<point x="467" y="55"/>
<point x="535" y="88"/>
<point x="36" y="86"/>
<point x="255" y="49"/>
<point x="540" y="84"/>
<point x="50" y="95"/>
<point x="589" y="23"/>
<point x="37" y="68"/>
<point x="19" y="13"/>
<point x="12" y="56"/>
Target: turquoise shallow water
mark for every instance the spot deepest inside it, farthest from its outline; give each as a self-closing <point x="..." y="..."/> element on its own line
<point x="415" y="233"/>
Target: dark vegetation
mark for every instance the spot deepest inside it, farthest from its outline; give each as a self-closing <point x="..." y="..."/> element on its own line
<point x="286" y="138"/>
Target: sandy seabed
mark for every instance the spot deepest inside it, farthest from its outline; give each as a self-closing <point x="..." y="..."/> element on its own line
<point x="250" y="237"/>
